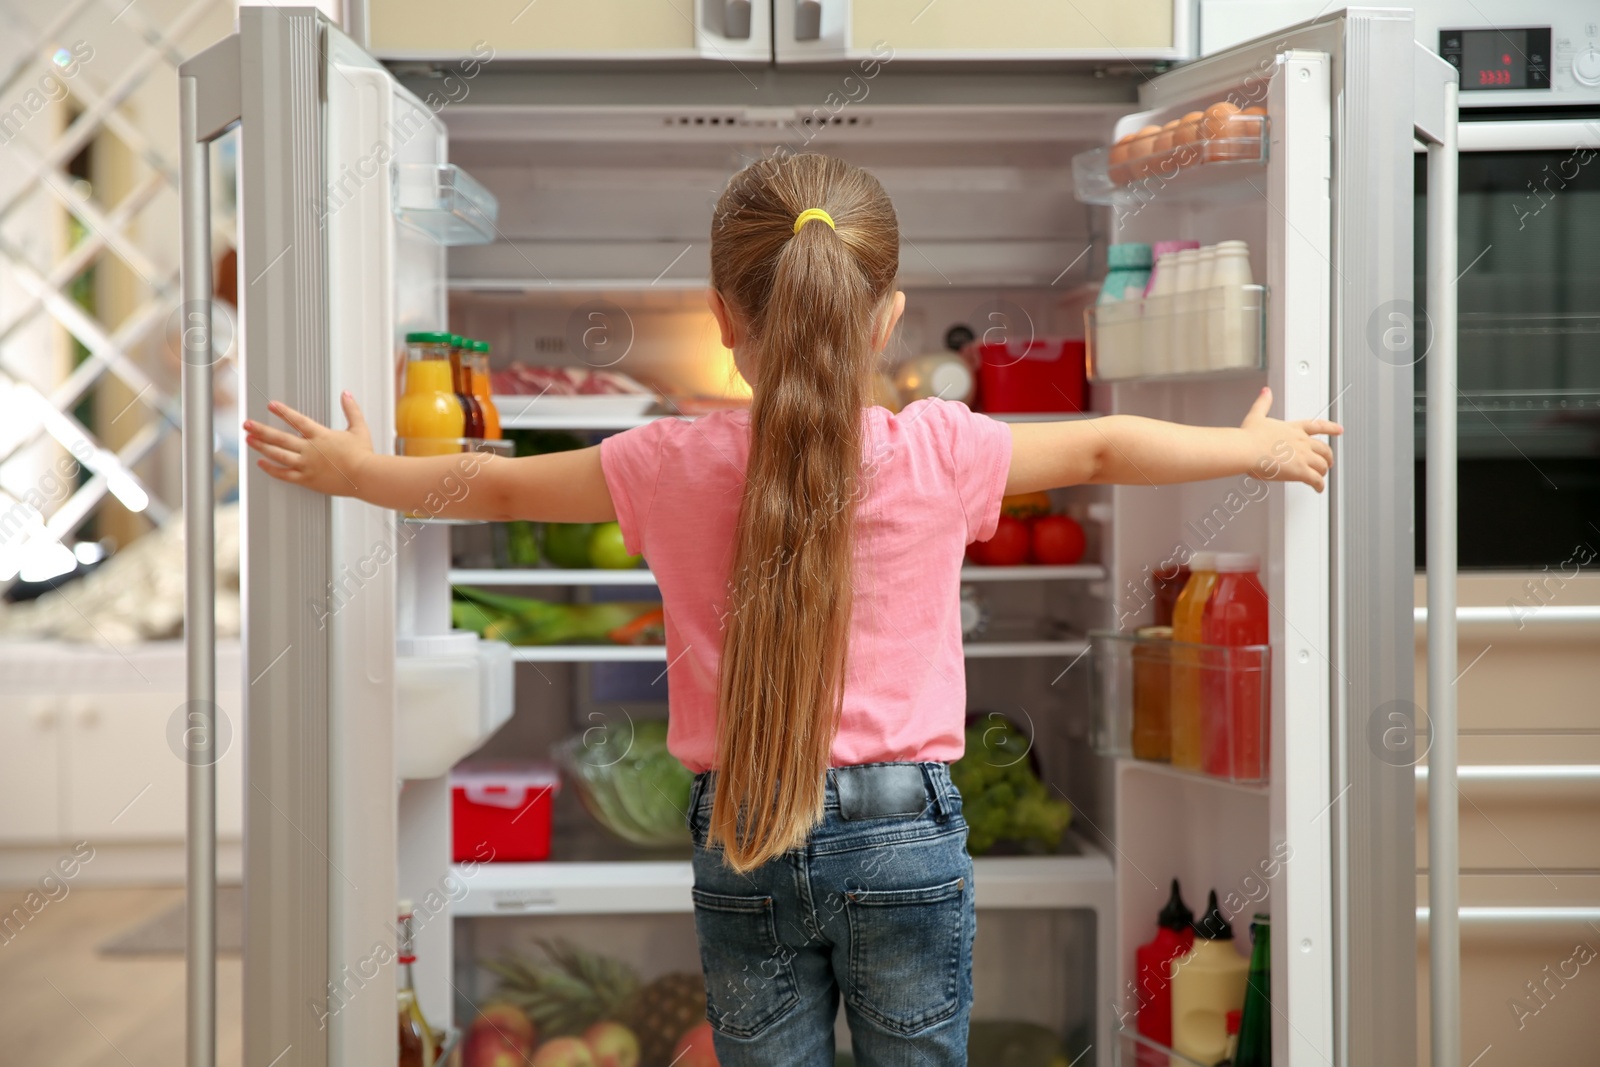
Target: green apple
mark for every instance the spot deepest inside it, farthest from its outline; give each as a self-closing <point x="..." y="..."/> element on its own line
<point x="566" y="544"/>
<point x="607" y="551"/>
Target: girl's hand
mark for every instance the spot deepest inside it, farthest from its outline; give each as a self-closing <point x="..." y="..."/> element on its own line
<point x="318" y="457"/>
<point x="1288" y="451"/>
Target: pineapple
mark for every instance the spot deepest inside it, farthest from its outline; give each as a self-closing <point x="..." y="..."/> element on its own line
<point x="572" y="989"/>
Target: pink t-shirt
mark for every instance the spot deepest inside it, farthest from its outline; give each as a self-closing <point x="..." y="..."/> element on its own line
<point x="934" y="475"/>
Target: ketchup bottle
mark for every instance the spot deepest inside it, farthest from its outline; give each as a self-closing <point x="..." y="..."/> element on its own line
<point x="1153" y="969"/>
<point x="1233" y="722"/>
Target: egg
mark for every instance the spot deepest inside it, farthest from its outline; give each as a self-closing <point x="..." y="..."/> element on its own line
<point x="1117" y="160"/>
<point x="1257" y="110"/>
<point x="1240" y="138"/>
<point x="1216" y="117"/>
<point x="1185" y="136"/>
<point x="1142" y="150"/>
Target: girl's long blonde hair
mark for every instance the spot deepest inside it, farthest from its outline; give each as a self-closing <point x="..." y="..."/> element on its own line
<point x="809" y="302"/>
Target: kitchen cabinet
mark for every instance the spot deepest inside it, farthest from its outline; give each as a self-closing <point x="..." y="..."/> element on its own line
<point x="715" y="30"/>
<point x="809" y="31"/>
<point x="30" y="787"/>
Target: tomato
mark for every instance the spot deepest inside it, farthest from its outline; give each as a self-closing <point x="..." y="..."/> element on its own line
<point x="1007" y="548"/>
<point x="1025" y="505"/>
<point x="1057" y="540"/>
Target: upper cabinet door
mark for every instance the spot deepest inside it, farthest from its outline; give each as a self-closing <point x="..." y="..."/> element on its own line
<point x="736" y="30"/>
<point x="809" y="31"/>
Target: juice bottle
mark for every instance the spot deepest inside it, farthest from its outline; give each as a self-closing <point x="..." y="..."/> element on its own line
<point x="1153" y="966"/>
<point x="1169" y="582"/>
<point x="1186" y="616"/>
<point x="1152" y="694"/>
<point x="428" y="409"/>
<point x="1207" y="984"/>
<point x="1232" y="723"/>
<point x="461" y="375"/>
<point x="480" y="388"/>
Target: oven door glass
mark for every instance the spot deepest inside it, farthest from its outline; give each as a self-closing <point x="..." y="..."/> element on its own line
<point x="1528" y="413"/>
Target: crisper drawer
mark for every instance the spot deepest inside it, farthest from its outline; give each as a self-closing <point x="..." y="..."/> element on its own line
<point x="478" y="33"/>
<point x="1033" y="979"/>
<point x="883" y="30"/>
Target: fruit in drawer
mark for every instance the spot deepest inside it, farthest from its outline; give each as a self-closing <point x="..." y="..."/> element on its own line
<point x="612" y="1045"/>
<point x="695" y="1049"/>
<point x="563" y="1052"/>
<point x="571" y="990"/>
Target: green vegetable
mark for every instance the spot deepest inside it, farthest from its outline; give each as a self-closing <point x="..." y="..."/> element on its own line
<point x="524" y="621"/>
<point x="543" y="442"/>
<point x="1001" y="797"/>
<point x="522" y="547"/>
<point x="630" y="782"/>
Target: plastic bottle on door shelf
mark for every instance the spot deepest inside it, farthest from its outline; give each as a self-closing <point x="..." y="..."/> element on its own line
<point x="1186" y="622"/>
<point x="1182" y="347"/>
<point x="1155" y="334"/>
<point x="1207" y="983"/>
<point x="1152" y="694"/>
<point x="1198" y="349"/>
<point x="1159" y="249"/>
<point x="1233" y="722"/>
<point x="1153" y="973"/>
<point x="1116" y="335"/>
<point x="1232" y="335"/>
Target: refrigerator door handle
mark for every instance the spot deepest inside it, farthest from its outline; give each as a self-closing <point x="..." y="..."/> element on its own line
<point x="1435" y="110"/>
<point x="208" y="106"/>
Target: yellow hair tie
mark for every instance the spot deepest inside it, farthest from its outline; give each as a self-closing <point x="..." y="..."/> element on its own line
<point x="814" y="213"/>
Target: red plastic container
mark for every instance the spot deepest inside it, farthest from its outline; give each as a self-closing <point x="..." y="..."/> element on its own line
<point x="1042" y="375"/>
<point x="1233" y="727"/>
<point x="500" y="812"/>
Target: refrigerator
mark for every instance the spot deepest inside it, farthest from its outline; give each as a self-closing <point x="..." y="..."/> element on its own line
<point x="360" y="222"/>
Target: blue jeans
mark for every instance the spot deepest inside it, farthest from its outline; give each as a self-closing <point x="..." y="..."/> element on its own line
<point x="878" y="909"/>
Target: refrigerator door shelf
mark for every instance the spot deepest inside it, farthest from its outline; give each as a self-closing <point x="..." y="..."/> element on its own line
<point x="445" y="202"/>
<point x="1218" y="332"/>
<point x="453" y="691"/>
<point x="1133" y="172"/>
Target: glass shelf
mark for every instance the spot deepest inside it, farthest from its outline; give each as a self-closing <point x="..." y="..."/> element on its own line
<point x="1133" y="1049"/>
<point x="1136" y="172"/>
<point x="445" y="202"/>
<point x="1209" y="333"/>
<point x="1137" y="684"/>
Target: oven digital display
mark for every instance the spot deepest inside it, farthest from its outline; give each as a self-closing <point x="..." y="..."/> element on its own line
<point x="1499" y="59"/>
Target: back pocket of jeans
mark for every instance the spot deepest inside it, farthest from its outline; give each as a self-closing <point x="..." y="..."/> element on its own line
<point x="905" y="954"/>
<point x="749" y="976"/>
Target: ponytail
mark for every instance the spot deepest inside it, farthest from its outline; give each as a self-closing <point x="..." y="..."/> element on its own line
<point x="809" y="296"/>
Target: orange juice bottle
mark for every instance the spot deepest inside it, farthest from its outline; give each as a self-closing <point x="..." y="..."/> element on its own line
<point x="480" y="388"/>
<point x="1187" y="617"/>
<point x="428" y="409"/>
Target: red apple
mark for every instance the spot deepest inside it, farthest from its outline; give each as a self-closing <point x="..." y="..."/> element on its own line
<point x="1057" y="540"/>
<point x="508" y="1022"/>
<point x="563" y="1052"/>
<point x="1007" y="548"/>
<point x="612" y="1044"/>
<point x="695" y="1049"/>
<point x="486" y="1048"/>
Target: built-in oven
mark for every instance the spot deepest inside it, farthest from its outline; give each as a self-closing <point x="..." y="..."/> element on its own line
<point x="1528" y="291"/>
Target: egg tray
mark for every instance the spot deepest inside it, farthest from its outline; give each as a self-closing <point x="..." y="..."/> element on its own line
<point x="1176" y="157"/>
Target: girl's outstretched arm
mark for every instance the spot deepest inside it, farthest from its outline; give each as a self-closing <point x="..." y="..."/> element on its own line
<point x="1130" y="450"/>
<point x="561" y="487"/>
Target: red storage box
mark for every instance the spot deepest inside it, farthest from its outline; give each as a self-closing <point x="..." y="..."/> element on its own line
<point x="1042" y="375"/>
<point x="500" y="811"/>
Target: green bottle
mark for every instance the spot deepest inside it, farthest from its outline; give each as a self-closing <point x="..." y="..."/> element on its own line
<point x="1255" y="1025"/>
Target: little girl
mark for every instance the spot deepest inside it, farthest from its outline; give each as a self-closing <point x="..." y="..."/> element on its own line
<point x="808" y="552"/>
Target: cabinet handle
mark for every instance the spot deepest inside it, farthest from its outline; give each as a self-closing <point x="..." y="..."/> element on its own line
<point x="808" y="20"/>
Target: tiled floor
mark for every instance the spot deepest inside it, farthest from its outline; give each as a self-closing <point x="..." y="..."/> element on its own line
<point x="64" y="1005"/>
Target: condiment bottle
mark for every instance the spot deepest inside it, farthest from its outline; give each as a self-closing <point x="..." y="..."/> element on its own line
<point x="1233" y="717"/>
<point x="1232" y="334"/>
<point x="1186" y="623"/>
<point x="1153" y="970"/>
<point x="479" y="366"/>
<point x="1207" y="983"/>
<point x="1152" y="694"/>
<point x="461" y="374"/>
<point x="428" y="409"/>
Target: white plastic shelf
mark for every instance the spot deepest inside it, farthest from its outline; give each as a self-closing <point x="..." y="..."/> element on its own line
<point x="1067" y="648"/>
<point x="1084" y="880"/>
<point x="536" y="576"/>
